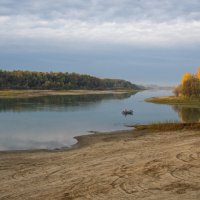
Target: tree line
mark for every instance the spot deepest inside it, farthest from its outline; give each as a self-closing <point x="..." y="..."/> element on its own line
<point x="190" y="85"/>
<point x="58" y="80"/>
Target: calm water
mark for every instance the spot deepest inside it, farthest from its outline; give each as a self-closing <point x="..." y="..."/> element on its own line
<point x="52" y="122"/>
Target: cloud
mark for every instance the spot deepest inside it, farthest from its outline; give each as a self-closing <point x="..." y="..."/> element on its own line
<point x="135" y="22"/>
<point x="101" y="11"/>
<point x="136" y="33"/>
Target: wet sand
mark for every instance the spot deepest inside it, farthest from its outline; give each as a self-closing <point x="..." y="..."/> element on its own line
<point x="114" y="166"/>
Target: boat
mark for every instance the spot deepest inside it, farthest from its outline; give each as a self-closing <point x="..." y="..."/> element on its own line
<point x="127" y="112"/>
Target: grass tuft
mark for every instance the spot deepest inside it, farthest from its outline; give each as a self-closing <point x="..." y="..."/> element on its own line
<point x="168" y="126"/>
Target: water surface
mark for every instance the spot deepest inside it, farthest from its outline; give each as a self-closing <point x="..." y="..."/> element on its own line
<point x="52" y="122"/>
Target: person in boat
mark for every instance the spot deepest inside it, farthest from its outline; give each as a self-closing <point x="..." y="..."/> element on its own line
<point x="126" y="112"/>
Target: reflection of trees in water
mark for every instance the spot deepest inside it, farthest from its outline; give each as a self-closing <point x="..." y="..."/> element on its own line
<point x="57" y="102"/>
<point x="187" y="114"/>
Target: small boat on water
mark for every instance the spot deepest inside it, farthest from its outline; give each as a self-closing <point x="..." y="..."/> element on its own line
<point x="127" y="112"/>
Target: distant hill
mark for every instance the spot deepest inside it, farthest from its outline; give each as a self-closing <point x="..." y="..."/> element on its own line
<point x="58" y="80"/>
<point x="157" y="87"/>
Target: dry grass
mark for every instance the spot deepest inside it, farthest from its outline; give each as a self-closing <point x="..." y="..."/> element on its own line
<point x="172" y="100"/>
<point x="168" y="126"/>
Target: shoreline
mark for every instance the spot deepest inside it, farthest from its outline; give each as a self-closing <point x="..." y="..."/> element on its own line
<point x="173" y="100"/>
<point x="39" y="93"/>
<point x="81" y="141"/>
<point x="94" y="136"/>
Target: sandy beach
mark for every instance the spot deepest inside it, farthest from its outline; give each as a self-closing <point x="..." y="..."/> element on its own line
<point x="122" y="165"/>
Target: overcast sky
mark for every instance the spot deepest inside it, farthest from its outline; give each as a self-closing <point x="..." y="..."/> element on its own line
<point x="144" y="41"/>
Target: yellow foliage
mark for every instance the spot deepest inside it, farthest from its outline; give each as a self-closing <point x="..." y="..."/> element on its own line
<point x="198" y="73"/>
<point x="185" y="77"/>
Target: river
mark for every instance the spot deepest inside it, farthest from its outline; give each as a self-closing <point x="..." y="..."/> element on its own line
<point x="52" y="122"/>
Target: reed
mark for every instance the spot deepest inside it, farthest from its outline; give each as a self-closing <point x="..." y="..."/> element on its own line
<point x="168" y="126"/>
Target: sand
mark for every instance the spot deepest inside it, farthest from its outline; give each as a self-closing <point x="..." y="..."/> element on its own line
<point x="123" y="165"/>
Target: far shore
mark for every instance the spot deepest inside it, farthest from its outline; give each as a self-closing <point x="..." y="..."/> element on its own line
<point x="173" y="100"/>
<point x="145" y="163"/>
<point x="38" y="93"/>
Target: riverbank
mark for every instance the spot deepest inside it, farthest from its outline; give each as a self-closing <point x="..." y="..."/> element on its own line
<point x="173" y="100"/>
<point x="135" y="164"/>
<point x="38" y="93"/>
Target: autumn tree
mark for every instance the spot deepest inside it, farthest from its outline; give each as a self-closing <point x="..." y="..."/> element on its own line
<point x="198" y="73"/>
<point x="178" y="90"/>
<point x="191" y="87"/>
<point x="186" y="77"/>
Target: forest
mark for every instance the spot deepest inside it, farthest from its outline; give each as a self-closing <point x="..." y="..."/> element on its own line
<point x="190" y="85"/>
<point x="58" y="81"/>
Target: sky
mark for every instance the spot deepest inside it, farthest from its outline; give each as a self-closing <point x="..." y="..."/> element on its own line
<point x="143" y="41"/>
